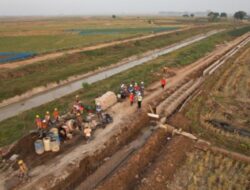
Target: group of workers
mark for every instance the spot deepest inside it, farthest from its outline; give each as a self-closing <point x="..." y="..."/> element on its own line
<point x="85" y="125"/>
<point x="134" y="91"/>
<point x="47" y="122"/>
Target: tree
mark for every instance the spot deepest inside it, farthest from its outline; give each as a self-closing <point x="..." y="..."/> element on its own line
<point x="192" y="15"/>
<point x="185" y="15"/>
<point x="113" y="16"/>
<point x="240" y="15"/>
<point x="212" y="16"/>
<point x="223" y="15"/>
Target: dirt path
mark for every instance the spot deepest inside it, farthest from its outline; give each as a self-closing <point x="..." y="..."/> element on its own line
<point x="72" y="51"/>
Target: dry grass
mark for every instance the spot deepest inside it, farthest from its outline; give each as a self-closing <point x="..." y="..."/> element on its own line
<point x="207" y="170"/>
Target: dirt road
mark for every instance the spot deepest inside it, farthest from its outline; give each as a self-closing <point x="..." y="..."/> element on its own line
<point x="72" y="51"/>
<point x="69" y="168"/>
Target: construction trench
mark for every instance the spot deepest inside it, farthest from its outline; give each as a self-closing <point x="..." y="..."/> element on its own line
<point x="122" y="154"/>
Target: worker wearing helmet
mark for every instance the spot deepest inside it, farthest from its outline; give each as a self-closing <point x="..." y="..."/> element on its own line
<point x="139" y="101"/>
<point x="163" y="83"/>
<point x="77" y="99"/>
<point x="99" y="111"/>
<point x="130" y="89"/>
<point x="142" y="87"/>
<point x="131" y="99"/>
<point x="56" y="114"/>
<point x="136" y="88"/>
<point x="38" y="122"/>
<point x="23" y="170"/>
<point x="44" y="124"/>
<point x="48" y="118"/>
<point x="79" y="121"/>
<point x="87" y="133"/>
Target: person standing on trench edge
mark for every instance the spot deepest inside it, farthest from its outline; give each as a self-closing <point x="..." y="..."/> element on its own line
<point x="163" y="83"/>
<point x="139" y="101"/>
<point x="131" y="99"/>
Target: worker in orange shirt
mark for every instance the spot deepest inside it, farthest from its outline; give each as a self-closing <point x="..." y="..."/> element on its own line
<point x="56" y="115"/>
<point x="44" y="124"/>
<point x="163" y="83"/>
<point x="38" y="122"/>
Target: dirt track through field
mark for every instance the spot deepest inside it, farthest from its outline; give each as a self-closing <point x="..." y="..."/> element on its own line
<point x="72" y="51"/>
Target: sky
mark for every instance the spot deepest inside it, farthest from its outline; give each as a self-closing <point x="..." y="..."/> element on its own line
<point x="103" y="7"/>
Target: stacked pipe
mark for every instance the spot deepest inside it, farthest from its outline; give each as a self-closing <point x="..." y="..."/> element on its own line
<point x="212" y="68"/>
<point x="173" y="96"/>
<point x="178" y="101"/>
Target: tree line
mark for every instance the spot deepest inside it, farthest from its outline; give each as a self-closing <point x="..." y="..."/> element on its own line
<point x="213" y="16"/>
<point x="239" y="15"/>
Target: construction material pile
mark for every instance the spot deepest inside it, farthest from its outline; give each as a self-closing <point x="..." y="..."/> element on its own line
<point x="107" y="100"/>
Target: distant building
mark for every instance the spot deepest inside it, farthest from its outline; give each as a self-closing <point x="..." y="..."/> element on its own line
<point x="174" y="14"/>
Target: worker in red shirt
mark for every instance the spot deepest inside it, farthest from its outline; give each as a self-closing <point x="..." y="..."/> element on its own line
<point x="131" y="98"/>
<point x="163" y="83"/>
<point x="56" y="114"/>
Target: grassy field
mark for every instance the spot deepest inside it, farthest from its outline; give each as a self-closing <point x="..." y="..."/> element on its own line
<point x="14" y="128"/>
<point x="53" y="34"/>
<point x="17" y="81"/>
<point x="208" y="170"/>
<point x="222" y="108"/>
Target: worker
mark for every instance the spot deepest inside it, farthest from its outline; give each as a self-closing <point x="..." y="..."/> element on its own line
<point x="99" y="111"/>
<point x="56" y="115"/>
<point x="139" y="101"/>
<point x="80" y="107"/>
<point x="130" y="89"/>
<point x="87" y="133"/>
<point x="123" y="91"/>
<point x="48" y="118"/>
<point x="163" y="83"/>
<point x="44" y="124"/>
<point x="165" y="70"/>
<point x="23" y="170"/>
<point x="77" y="99"/>
<point x="131" y="98"/>
<point x="38" y="122"/>
<point x="79" y="121"/>
<point x="136" y="88"/>
<point x="62" y="134"/>
<point x="142" y="87"/>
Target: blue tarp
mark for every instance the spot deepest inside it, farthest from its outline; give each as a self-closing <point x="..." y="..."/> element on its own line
<point x="120" y="30"/>
<point x="14" y="56"/>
